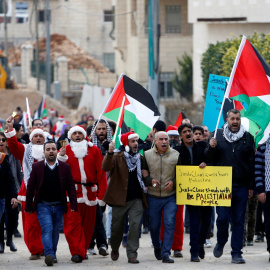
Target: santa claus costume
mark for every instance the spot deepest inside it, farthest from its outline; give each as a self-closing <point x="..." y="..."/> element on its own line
<point x="27" y="154"/>
<point x="85" y="160"/>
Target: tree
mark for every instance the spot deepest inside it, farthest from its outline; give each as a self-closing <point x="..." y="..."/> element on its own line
<point x="219" y="58"/>
<point x="182" y="81"/>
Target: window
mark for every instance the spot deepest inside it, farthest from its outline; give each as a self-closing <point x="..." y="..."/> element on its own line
<point x="21" y="12"/>
<point x="42" y="15"/>
<point x="108" y="16"/>
<point x="108" y="59"/>
<point x="166" y="88"/>
<point x="173" y="19"/>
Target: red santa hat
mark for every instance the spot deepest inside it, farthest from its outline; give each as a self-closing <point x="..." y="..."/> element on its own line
<point x="37" y="131"/>
<point x="172" y="130"/>
<point x="77" y="128"/>
<point x="52" y="110"/>
<point x="127" y="136"/>
<point x="61" y="117"/>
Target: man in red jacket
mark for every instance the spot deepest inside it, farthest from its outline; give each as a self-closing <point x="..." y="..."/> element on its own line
<point x="85" y="160"/>
<point x="48" y="184"/>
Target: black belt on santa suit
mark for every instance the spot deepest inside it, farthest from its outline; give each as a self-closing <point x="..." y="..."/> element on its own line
<point x="85" y="184"/>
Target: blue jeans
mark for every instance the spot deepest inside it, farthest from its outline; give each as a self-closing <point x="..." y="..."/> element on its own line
<point x="2" y="207"/>
<point x="200" y="220"/>
<point x="156" y="206"/>
<point x="235" y="214"/>
<point x="50" y="219"/>
<point x="109" y="222"/>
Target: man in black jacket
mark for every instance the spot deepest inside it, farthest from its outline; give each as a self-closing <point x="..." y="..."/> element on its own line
<point x="7" y="182"/>
<point x="192" y="153"/>
<point x="233" y="146"/>
<point x="48" y="184"/>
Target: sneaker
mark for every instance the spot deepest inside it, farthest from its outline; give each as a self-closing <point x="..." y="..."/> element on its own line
<point x="124" y="241"/>
<point x="177" y="253"/>
<point x="218" y="251"/>
<point x="49" y="260"/>
<point x="208" y="243"/>
<point x="259" y="239"/>
<point x="145" y="230"/>
<point x="238" y="260"/>
<point x="250" y="243"/>
<point x="103" y="251"/>
<point x="92" y="251"/>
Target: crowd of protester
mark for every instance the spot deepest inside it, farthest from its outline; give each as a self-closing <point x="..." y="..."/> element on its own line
<point x="74" y="179"/>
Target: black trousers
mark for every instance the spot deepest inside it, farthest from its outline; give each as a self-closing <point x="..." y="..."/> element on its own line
<point x="12" y="219"/>
<point x="99" y="232"/>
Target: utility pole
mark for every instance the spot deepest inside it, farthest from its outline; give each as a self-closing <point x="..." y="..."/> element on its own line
<point x="37" y="45"/>
<point x="6" y="37"/>
<point x="153" y="45"/>
<point x="48" y="49"/>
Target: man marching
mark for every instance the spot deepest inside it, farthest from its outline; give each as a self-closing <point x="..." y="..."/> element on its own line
<point x="27" y="154"/>
<point x="85" y="160"/>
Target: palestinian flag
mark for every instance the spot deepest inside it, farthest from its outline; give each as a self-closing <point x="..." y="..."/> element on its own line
<point x="180" y="118"/>
<point x="41" y="112"/>
<point x="249" y="83"/>
<point x="140" y="111"/>
<point x="248" y="124"/>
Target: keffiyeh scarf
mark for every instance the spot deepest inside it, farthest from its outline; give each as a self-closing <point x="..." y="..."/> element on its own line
<point x="132" y="163"/>
<point x="230" y="136"/>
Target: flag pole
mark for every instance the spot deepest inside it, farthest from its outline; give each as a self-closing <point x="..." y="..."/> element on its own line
<point x="119" y="117"/>
<point x="226" y="95"/>
<point x="28" y="112"/>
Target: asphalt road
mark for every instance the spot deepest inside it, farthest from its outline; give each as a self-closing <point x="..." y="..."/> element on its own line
<point x="256" y="258"/>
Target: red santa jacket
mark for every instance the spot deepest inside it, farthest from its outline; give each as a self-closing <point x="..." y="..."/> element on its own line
<point x="87" y="170"/>
<point x="17" y="149"/>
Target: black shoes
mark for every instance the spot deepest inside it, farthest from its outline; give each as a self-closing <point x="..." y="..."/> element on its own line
<point x="201" y="252"/>
<point x="157" y="252"/>
<point x="194" y="258"/>
<point x="114" y="255"/>
<point x="17" y="234"/>
<point x="167" y="259"/>
<point x="76" y="258"/>
<point x="11" y="245"/>
<point x="2" y="247"/>
<point x="218" y="251"/>
<point x="49" y="260"/>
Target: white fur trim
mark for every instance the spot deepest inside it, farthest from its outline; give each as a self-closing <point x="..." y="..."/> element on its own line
<point x="10" y="134"/>
<point x="84" y="189"/>
<point x="90" y="144"/>
<point x="94" y="188"/>
<point x="21" y="198"/>
<point x="62" y="158"/>
<point x="101" y="203"/>
<point x="131" y="136"/>
<point x="37" y="131"/>
<point x="89" y="203"/>
<point x="173" y="132"/>
<point x="76" y="128"/>
<point x="127" y="148"/>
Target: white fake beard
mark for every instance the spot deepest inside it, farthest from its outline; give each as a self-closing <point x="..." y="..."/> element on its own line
<point x="79" y="148"/>
<point x="37" y="152"/>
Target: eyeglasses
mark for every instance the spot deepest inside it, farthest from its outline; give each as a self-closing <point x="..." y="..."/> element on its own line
<point x="38" y="124"/>
<point x="2" y="139"/>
